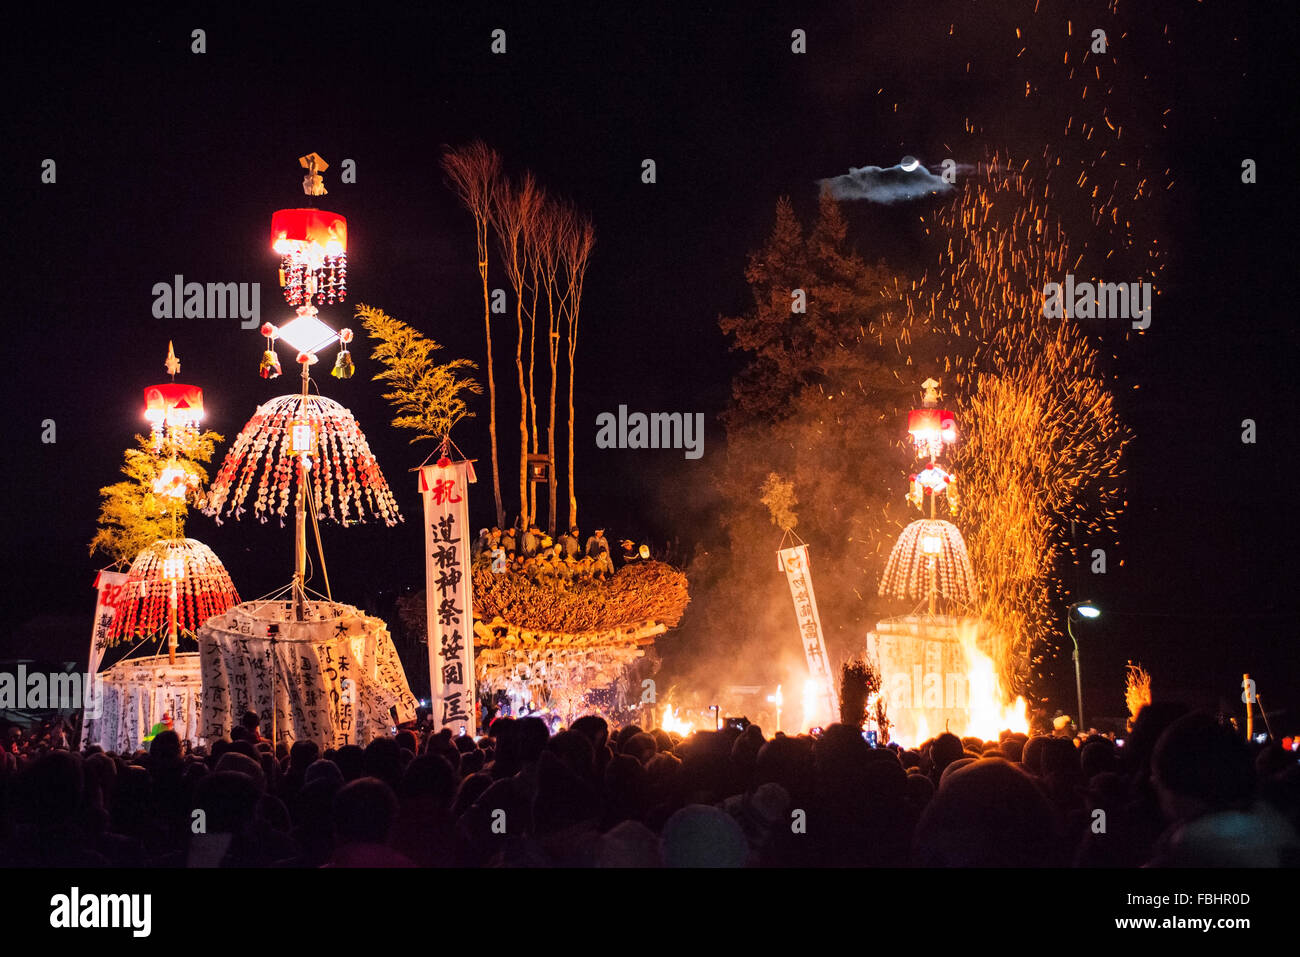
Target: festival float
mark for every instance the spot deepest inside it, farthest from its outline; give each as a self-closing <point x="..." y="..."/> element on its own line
<point x="935" y="671"/>
<point x="574" y="651"/>
<point x="171" y="588"/>
<point x="312" y="668"/>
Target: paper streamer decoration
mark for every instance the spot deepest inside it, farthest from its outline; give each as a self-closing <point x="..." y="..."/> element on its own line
<point x="346" y="480"/>
<point x="183" y="571"/>
<point x="930" y="553"/>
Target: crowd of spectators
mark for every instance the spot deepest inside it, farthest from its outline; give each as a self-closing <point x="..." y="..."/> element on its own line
<point x="1183" y="790"/>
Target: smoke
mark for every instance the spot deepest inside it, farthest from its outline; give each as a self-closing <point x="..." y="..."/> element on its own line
<point x="890" y="184"/>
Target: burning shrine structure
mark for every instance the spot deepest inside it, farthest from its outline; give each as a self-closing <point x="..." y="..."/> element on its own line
<point x="935" y="672"/>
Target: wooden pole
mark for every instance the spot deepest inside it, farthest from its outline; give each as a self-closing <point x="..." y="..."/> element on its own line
<point x="300" y="521"/>
<point x="1250" y="706"/>
<point x="171" y="626"/>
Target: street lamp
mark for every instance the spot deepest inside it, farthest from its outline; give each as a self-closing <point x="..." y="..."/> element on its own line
<point x="1084" y="609"/>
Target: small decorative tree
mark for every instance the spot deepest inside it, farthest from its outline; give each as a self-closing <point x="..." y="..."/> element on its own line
<point x="780" y="500"/>
<point x="153" y="501"/>
<point x="428" y="396"/>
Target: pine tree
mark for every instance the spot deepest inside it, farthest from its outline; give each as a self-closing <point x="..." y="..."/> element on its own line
<point x="818" y="403"/>
<point x="132" y="516"/>
<point x="428" y="396"/>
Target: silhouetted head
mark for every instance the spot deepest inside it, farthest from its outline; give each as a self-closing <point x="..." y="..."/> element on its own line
<point x="165" y="749"/>
<point x="945" y="749"/>
<point x="351" y="761"/>
<point x="302" y="754"/>
<point x="364" y="812"/>
<point x="431" y="776"/>
<point x="532" y="735"/>
<point x="703" y="836"/>
<point x="988" y="814"/>
<point x="227" y="799"/>
<point x="1201" y="766"/>
<point x="383" y="759"/>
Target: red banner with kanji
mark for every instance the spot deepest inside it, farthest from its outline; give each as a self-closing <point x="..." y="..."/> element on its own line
<point x="450" y="599"/>
<point x="109" y="585"/>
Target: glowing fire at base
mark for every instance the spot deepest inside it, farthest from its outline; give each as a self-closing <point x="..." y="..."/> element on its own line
<point x="811" y="702"/>
<point x="671" y="723"/>
<point x="937" y="675"/>
<point x="988" y="716"/>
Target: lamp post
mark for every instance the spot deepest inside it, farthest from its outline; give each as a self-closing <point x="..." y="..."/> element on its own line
<point x="1084" y="609"/>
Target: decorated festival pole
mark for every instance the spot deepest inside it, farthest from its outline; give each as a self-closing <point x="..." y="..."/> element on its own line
<point x="171" y="628"/>
<point x="173" y="572"/>
<point x="301" y="445"/>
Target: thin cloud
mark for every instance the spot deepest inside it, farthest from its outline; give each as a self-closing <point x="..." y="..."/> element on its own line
<point x="890" y="184"/>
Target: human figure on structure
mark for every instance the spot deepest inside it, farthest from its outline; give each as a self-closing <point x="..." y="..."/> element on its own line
<point x="597" y="544"/>
<point x="598" y="552"/>
<point x="481" y="546"/>
<point x="571" y="543"/>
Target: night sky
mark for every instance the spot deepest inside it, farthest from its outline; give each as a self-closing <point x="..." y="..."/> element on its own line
<point x="172" y="163"/>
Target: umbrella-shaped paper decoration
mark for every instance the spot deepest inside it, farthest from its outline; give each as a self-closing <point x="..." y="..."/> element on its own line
<point x="930" y="558"/>
<point x="176" y="584"/>
<point x="346" y="482"/>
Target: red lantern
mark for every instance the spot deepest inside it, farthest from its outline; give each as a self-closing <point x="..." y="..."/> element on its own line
<point x="175" y="410"/>
<point x="173" y="404"/>
<point x="313" y="249"/>
<point x="931" y="429"/>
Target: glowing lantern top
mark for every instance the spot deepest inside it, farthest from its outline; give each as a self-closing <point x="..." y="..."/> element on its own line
<point x="173" y="404"/>
<point x="312" y="245"/>
<point x="173" y="407"/>
<point x="183" y="573"/>
<point x="931" y="428"/>
<point x="342" y="470"/>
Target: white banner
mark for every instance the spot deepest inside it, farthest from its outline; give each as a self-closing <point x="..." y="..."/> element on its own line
<point x="332" y="678"/>
<point x="137" y="693"/>
<point x="794" y="562"/>
<point x="109" y="585"/>
<point x="449" y="594"/>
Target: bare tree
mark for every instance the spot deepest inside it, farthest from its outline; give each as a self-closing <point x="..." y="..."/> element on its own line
<point x="537" y="239"/>
<point x="575" y="253"/>
<point x="513" y="209"/>
<point x="473" y="172"/>
<point x="559" y="219"/>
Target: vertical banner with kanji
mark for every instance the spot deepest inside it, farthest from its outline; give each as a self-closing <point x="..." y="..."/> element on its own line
<point x="109" y="585"/>
<point x="794" y="562"/>
<point x="450" y="599"/>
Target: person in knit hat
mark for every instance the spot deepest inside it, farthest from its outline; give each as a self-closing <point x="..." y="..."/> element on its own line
<point x="703" y="836"/>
